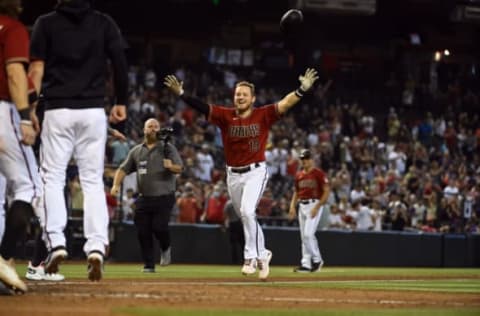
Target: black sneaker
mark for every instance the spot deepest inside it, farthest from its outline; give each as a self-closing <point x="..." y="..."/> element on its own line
<point x="302" y="269"/>
<point x="148" y="270"/>
<point x="56" y="256"/>
<point x="317" y="266"/>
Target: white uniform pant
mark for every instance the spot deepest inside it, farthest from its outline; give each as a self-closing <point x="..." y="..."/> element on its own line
<point x="308" y="228"/>
<point x="18" y="165"/>
<point x="245" y="190"/>
<point x="3" y="187"/>
<point x="80" y="133"/>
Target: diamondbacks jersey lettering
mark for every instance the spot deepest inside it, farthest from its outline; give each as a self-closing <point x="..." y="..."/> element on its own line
<point x="309" y="185"/>
<point x="14" y="48"/>
<point x="244" y="139"/>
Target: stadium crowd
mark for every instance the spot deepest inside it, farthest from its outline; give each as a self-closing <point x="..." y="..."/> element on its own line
<point x="396" y="167"/>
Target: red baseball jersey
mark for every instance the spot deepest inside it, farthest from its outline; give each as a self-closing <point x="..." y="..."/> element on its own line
<point x="244" y="139"/>
<point x="310" y="185"/>
<point x="13" y="48"/>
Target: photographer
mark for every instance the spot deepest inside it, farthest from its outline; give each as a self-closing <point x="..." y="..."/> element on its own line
<point x="156" y="162"/>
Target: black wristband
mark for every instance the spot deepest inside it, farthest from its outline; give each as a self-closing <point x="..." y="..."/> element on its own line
<point x="24" y="114"/>
<point x="299" y="92"/>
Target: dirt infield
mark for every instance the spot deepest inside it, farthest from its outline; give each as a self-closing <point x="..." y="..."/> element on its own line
<point x="80" y="297"/>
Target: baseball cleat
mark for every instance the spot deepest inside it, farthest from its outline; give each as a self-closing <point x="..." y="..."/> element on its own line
<point x="317" y="266"/>
<point x="55" y="257"/>
<point x="249" y="267"/>
<point x="148" y="270"/>
<point x="264" y="266"/>
<point x="10" y="278"/>
<point x="166" y="257"/>
<point x="38" y="274"/>
<point x="95" y="266"/>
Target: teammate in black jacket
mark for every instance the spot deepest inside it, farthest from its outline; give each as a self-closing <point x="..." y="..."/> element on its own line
<point x="69" y="50"/>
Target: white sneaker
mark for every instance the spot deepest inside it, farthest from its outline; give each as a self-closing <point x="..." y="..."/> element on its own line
<point x="166" y="257"/>
<point x="95" y="266"/>
<point x="9" y="276"/>
<point x="38" y="274"/>
<point x="55" y="257"/>
<point x="249" y="266"/>
<point x="264" y="266"/>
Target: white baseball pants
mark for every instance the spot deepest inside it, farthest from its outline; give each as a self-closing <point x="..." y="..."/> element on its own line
<point x="17" y="161"/>
<point x="245" y="190"/>
<point x="308" y="228"/>
<point x="80" y="133"/>
<point x="3" y="188"/>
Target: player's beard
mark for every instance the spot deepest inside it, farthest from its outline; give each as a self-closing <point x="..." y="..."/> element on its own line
<point x="242" y="109"/>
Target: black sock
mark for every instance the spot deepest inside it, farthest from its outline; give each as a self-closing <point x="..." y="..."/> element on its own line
<point x="16" y="223"/>
<point x="40" y="252"/>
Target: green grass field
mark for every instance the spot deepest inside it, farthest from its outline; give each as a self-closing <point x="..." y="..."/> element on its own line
<point x="436" y="280"/>
<point x="179" y="271"/>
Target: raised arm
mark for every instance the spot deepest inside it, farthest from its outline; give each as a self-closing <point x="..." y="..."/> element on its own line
<point x="176" y="87"/>
<point x="306" y="83"/>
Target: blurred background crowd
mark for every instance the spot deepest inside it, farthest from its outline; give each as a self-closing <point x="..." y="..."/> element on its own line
<point x="394" y="121"/>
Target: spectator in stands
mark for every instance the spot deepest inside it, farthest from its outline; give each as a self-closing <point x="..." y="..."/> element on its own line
<point x="335" y="217"/>
<point x="214" y="207"/>
<point x="418" y="211"/>
<point x="189" y="205"/>
<point x="204" y="164"/>
<point x="451" y="191"/>
<point x="270" y="160"/>
<point x="377" y="214"/>
<point x="399" y="216"/>
<point x="128" y="205"/>
<point x="357" y="194"/>
<point x="120" y="149"/>
<point x="280" y="154"/>
<point x="365" y="219"/>
<point x="397" y="160"/>
<point x="266" y="204"/>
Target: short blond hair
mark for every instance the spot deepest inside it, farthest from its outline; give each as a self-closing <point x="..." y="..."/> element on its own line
<point x="246" y="84"/>
<point x="12" y="8"/>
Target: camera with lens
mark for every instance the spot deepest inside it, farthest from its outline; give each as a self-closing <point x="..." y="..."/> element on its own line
<point x="164" y="134"/>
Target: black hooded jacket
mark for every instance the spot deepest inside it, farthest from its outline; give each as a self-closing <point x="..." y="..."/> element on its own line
<point x="75" y="43"/>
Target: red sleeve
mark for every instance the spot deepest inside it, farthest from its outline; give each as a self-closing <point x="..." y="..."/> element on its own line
<point x="272" y="114"/>
<point x="322" y="177"/>
<point x="217" y="115"/>
<point x="16" y="44"/>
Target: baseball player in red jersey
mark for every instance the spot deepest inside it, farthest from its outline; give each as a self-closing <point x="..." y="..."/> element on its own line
<point x="17" y="133"/>
<point x="244" y="134"/>
<point x="311" y="193"/>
